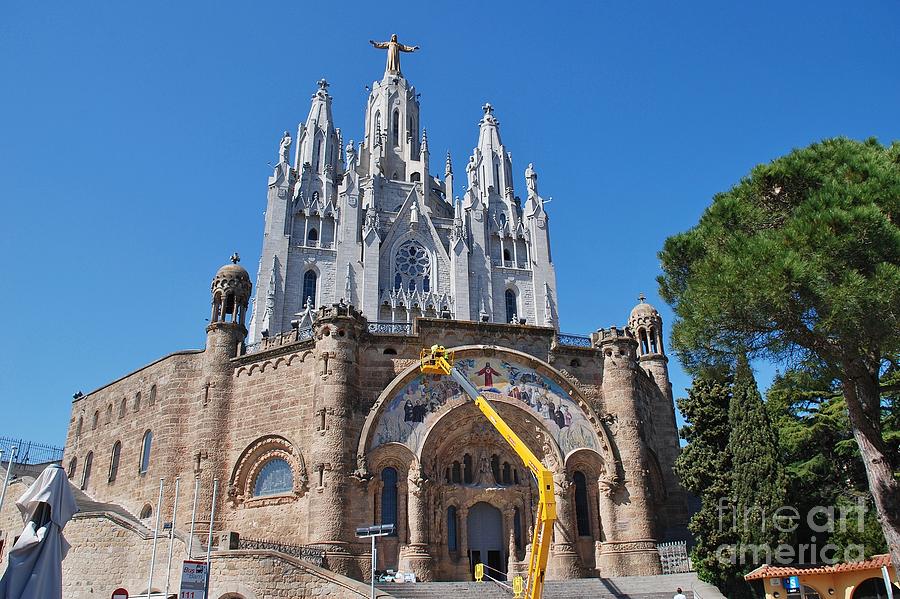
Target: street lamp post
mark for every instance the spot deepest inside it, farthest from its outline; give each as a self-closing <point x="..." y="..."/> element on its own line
<point x="374" y="531"/>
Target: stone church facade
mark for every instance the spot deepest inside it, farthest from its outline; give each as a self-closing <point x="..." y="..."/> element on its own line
<point x="314" y="419"/>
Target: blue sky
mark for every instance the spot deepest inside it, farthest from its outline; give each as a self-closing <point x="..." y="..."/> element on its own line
<point x="135" y="138"/>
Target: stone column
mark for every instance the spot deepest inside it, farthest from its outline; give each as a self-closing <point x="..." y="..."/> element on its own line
<point x="415" y="557"/>
<point x="630" y="546"/>
<point x="462" y="532"/>
<point x="564" y="556"/>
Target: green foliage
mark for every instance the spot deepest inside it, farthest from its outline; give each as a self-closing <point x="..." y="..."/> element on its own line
<point x="800" y="262"/>
<point x="758" y="483"/>
<point x="800" y="258"/>
<point x="822" y="459"/>
<point x="704" y="468"/>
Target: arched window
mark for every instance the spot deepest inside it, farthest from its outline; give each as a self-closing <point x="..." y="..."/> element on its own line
<point x="275" y="478"/>
<point x="137" y="401"/>
<point x="145" y="452"/>
<point x="456" y="473"/>
<point x="73" y="464"/>
<point x="497" y="177"/>
<point x="96" y="420"/>
<point x="146" y="511"/>
<point x="320" y="148"/>
<point x="86" y="473"/>
<point x="452" y="544"/>
<point x="412" y="267"/>
<point x="582" y="516"/>
<point x="507" y="474"/>
<point x="395" y="128"/>
<point x="79" y="426"/>
<point x="873" y="588"/>
<point x="645" y="347"/>
<point x="152" y="399"/>
<point x="313" y="235"/>
<point x="389" y="497"/>
<point x="495" y="468"/>
<point x="507" y="257"/>
<point x="108" y="414"/>
<point x="123" y="405"/>
<point x="468" y="477"/>
<point x="114" y="460"/>
<point x="511" y="307"/>
<point x="309" y="288"/>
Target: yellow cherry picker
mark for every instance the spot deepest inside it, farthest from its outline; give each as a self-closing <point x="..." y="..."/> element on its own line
<point x="438" y="361"/>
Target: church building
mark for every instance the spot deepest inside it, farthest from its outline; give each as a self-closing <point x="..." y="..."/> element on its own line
<point x="309" y="413"/>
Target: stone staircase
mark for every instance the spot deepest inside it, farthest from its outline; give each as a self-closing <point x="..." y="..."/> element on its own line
<point x="627" y="587"/>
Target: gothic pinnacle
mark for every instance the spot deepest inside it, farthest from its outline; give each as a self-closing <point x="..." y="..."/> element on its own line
<point x="448" y="169"/>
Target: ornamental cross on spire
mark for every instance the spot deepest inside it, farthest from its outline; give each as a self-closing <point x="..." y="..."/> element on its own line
<point x="642" y="297"/>
<point x="235" y="258"/>
<point x="394" y="48"/>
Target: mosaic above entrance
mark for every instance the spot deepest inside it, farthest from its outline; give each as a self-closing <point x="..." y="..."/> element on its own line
<point x="410" y="413"/>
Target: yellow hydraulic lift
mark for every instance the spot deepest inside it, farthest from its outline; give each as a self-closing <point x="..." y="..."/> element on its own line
<point x="439" y="361"/>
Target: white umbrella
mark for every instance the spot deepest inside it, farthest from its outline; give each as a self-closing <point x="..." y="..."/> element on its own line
<point x="34" y="569"/>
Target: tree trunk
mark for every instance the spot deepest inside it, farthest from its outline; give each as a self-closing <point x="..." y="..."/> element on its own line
<point x="860" y="388"/>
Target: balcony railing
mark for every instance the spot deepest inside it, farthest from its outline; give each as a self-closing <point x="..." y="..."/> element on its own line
<point x="390" y="328"/>
<point x="573" y="340"/>
<point x="313" y="555"/>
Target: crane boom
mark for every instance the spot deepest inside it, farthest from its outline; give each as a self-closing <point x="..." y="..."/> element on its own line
<point x="439" y="361"/>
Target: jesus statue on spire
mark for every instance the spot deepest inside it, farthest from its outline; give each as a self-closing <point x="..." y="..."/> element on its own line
<point x="394" y="49"/>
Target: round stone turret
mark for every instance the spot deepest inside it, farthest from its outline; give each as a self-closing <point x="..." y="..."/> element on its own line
<point x="230" y="293"/>
<point x="646" y="326"/>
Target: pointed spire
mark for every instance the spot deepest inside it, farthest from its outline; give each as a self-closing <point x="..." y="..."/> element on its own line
<point x="448" y="168"/>
<point x="424" y="140"/>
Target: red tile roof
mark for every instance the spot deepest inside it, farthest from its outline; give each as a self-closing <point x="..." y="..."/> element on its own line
<point x="767" y="571"/>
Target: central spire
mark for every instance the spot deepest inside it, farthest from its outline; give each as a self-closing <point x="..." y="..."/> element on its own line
<point x="394" y="48"/>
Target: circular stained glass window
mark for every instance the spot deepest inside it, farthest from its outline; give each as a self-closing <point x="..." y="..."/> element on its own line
<point x="274" y="478"/>
<point x="412" y="266"/>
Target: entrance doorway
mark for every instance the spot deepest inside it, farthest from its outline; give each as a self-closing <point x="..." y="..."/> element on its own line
<point x="485" y="537"/>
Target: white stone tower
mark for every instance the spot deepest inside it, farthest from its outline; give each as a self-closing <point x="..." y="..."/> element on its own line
<point x="372" y="226"/>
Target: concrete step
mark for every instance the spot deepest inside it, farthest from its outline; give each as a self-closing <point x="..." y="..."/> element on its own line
<point x="628" y="587"/>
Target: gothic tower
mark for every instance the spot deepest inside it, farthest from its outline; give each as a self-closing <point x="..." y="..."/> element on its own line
<point x="371" y="225"/>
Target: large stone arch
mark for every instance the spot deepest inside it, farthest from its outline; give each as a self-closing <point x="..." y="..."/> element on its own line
<point x="412" y="405"/>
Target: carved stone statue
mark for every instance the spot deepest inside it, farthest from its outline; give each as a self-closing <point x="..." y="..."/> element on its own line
<point x="531" y="179"/>
<point x="394" y="49"/>
<point x="285" y="147"/>
<point x="472" y="172"/>
<point x="351" y="155"/>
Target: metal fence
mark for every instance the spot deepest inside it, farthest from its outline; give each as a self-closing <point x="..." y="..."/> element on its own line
<point x="313" y="555"/>
<point x="674" y="557"/>
<point x="29" y="452"/>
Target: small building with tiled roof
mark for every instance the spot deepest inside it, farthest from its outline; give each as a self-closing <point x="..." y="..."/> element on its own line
<point x="848" y="580"/>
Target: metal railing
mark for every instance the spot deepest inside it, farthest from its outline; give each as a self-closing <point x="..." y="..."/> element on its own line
<point x="313" y="555"/>
<point x="674" y="557"/>
<point x="573" y="340"/>
<point x="29" y="452"/>
<point x="278" y="340"/>
<point x="390" y="328"/>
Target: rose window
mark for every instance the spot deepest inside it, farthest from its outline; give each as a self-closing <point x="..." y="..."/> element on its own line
<point x="412" y="268"/>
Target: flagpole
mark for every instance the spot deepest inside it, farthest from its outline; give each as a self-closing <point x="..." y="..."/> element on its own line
<point x="212" y="517"/>
<point x="193" y="517"/>
<point x="155" y="536"/>
<point x="172" y="537"/>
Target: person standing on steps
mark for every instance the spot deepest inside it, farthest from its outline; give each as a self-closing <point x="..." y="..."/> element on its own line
<point x="679" y="594"/>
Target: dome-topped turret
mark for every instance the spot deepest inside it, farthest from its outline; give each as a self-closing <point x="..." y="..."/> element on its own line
<point x="646" y="325"/>
<point x="230" y="293"/>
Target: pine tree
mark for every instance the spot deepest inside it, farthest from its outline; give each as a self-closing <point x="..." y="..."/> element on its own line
<point x="758" y="484"/>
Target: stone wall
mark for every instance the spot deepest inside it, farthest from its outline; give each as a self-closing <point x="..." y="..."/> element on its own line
<point x="308" y="400"/>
